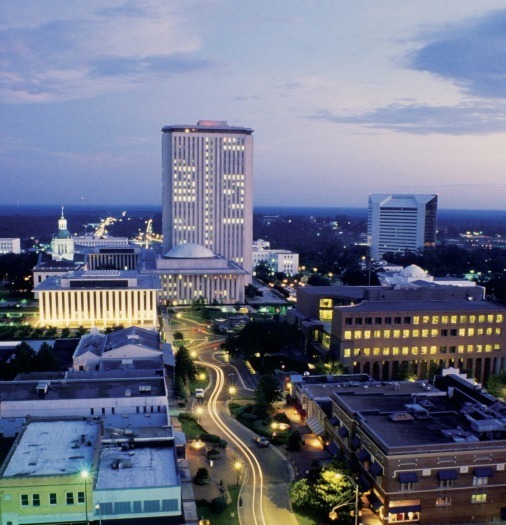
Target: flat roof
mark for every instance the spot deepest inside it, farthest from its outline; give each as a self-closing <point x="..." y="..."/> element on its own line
<point x="141" y="467"/>
<point x="82" y="389"/>
<point x="207" y="126"/>
<point x="435" y="305"/>
<point x="51" y="448"/>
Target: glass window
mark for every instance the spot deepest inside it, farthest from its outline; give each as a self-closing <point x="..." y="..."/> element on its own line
<point x="416" y="319"/>
<point x="462" y="332"/>
<point x="444" y="319"/>
<point x="441" y="502"/>
<point x="52" y="499"/>
<point x="356" y="351"/>
<point x="470" y="331"/>
<point x="80" y="497"/>
<point x="425" y="319"/>
<point x="453" y="331"/>
<point x="472" y="319"/>
<point x="446" y="483"/>
<point x="490" y="318"/>
<point x="414" y="350"/>
<point x="405" y="333"/>
<point x="368" y="320"/>
<point x="407" y="320"/>
<point x="434" y="332"/>
<point x="478" y="498"/>
<point x="425" y="333"/>
<point x="480" y="481"/>
<point x="347" y="334"/>
<point x="498" y="331"/>
<point x="488" y="348"/>
<point x="463" y="318"/>
<point x="444" y="332"/>
<point x="497" y="346"/>
<point x="397" y="320"/>
<point x="397" y="334"/>
<point x="347" y="352"/>
<point x="395" y="350"/>
<point x="488" y="331"/>
<point x="386" y="334"/>
<point x="405" y="350"/>
<point x="376" y="351"/>
<point x="348" y="321"/>
<point x="470" y="348"/>
<point x="386" y="351"/>
<point x="378" y="320"/>
<point x="479" y="331"/>
<point x="416" y="333"/>
<point x="453" y="319"/>
<point x="358" y="334"/>
<point x="433" y="349"/>
<point x="367" y="334"/>
<point x="367" y="351"/>
<point x="423" y="350"/>
<point x="499" y="318"/>
<point x="481" y="318"/>
<point x="435" y="319"/>
<point x="388" y="320"/>
<point x="24" y="500"/>
<point x="443" y="349"/>
<point x="377" y="333"/>
<point x="69" y="498"/>
<point x="36" y="500"/>
<point x="460" y="349"/>
<point x="407" y="487"/>
<point x="358" y="320"/>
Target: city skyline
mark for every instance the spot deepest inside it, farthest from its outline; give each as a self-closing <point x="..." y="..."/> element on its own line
<point x="398" y="97"/>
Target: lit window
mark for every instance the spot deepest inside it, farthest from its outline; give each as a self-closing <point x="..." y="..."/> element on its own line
<point x="367" y="351"/>
<point x="434" y="332"/>
<point x="470" y="331"/>
<point x="472" y="319"/>
<point x="425" y="319"/>
<point x="462" y="332"/>
<point x="498" y="318"/>
<point x="498" y="331"/>
<point x="444" y="319"/>
<point x="386" y="334"/>
<point x="416" y="333"/>
<point x="356" y="351"/>
<point x="397" y="334"/>
<point x="460" y="349"/>
<point x="367" y="334"/>
<point x="480" y="481"/>
<point x="478" y="498"/>
<point x="347" y="352"/>
<point x="453" y="319"/>
<point x="416" y="319"/>
<point x="347" y="334"/>
<point x="463" y="318"/>
<point x="358" y="334"/>
<point x="386" y="351"/>
<point x="425" y="333"/>
<point x="435" y="319"/>
<point x="481" y="318"/>
<point x="377" y="333"/>
<point x="441" y="502"/>
<point x="405" y="350"/>
<point x="395" y="350"/>
<point x="433" y="349"/>
<point x="490" y="318"/>
<point x="405" y="333"/>
<point x="414" y="350"/>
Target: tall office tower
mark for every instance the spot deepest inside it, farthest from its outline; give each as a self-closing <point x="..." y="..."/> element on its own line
<point x="208" y="188"/>
<point x="401" y="223"/>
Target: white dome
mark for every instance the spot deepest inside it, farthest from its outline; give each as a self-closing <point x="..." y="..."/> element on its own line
<point x="412" y="271"/>
<point x="189" y="251"/>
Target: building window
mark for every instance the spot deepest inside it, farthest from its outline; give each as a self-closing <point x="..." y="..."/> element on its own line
<point x="347" y="334"/>
<point x="36" y="500"/>
<point x="367" y="334"/>
<point x="52" y="499"/>
<point x="478" y="498"/>
<point x="407" y="487"/>
<point x="480" y="481"/>
<point x="397" y="334"/>
<point x="443" y="349"/>
<point x="407" y="320"/>
<point x="388" y="320"/>
<point x="24" y="500"/>
<point x="444" y="332"/>
<point x="347" y="352"/>
<point x="69" y="498"/>
<point x="435" y="319"/>
<point x="358" y="320"/>
<point x="416" y="319"/>
<point x="80" y="497"/>
<point x="442" y="502"/>
<point x="386" y="334"/>
<point x="358" y="334"/>
<point x="498" y="318"/>
<point x="453" y="319"/>
<point x="397" y="320"/>
<point x="378" y="320"/>
<point x="446" y="483"/>
<point x="348" y="321"/>
<point x="368" y="320"/>
<point x="405" y="334"/>
<point x="453" y="332"/>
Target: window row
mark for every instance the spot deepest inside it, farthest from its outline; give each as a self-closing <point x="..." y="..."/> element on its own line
<point x="129" y="507"/>
<point x="447" y="500"/>
<point x="408" y="486"/>
<point x="426" y="319"/>
<point x="71" y="498"/>
<point x="420" y="350"/>
<point x="424" y="332"/>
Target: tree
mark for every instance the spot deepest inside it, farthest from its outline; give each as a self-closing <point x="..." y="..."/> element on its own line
<point x="328" y="488"/>
<point x="202" y="476"/>
<point x="269" y="388"/>
<point x="178" y="336"/>
<point x="185" y="367"/>
<point x="294" y="441"/>
<point x="46" y="360"/>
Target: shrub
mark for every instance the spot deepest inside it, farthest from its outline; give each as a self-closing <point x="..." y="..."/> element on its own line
<point x="214" y="439"/>
<point x="214" y="453"/>
<point x="202" y="477"/>
<point x="219" y="504"/>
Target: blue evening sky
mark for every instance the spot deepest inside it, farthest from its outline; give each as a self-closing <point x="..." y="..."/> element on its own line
<point x="346" y="97"/>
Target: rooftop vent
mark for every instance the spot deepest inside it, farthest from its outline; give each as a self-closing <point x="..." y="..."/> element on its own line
<point x="401" y="416"/>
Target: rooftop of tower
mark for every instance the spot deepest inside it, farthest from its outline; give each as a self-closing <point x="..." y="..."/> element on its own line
<point x="207" y="126"/>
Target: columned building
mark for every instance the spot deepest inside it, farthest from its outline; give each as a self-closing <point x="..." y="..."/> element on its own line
<point x="98" y="298"/>
<point x="208" y="189"/>
<point x="401" y="223"/>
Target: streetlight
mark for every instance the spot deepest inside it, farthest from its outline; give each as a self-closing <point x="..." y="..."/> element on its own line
<point x="237" y="468"/>
<point x="333" y="514"/>
<point x="199" y="410"/>
<point x="232" y="391"/>
<point x="98" y="507"/>
<point x="85" y="475"/>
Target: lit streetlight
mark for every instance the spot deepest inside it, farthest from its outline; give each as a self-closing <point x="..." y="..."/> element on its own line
<point x="333" y="514"/>
<point x="238" y="468"/>
<point x="232" y="391"/>
<point x="85" y="474"/>
<point x="202" y="376"/>
<point x="199" y="410"/>
<point x="98" y="507"/>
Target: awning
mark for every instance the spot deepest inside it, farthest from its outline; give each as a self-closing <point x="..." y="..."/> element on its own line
<point x="333" y="449"/>
<point x="364" y="455"/>
<point x="343" y="432"/>
<point x="376" y="470"/>
<point x="374" y="501"/>
<point x="355" y="442"/>
<point x="364" y="483"/>
<point x="334" y="421"/>
<point x="444" y="475"/>
<point x="407" y="508"/>
<point x="483" y="472"/>
<point x="408" y="477"/>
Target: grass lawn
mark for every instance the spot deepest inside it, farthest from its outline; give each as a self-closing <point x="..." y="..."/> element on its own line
<point x="225" y="517"/>
<point x="304" y="520"/>
<point x="191" y="428"/>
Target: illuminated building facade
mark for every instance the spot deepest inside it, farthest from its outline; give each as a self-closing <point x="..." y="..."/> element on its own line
<point x="208" y="189"/>
<point x="10" y="245"/>
<point x="98" y="298"/>
<point x="401" y="223"/>
<point x="279" y="260"/>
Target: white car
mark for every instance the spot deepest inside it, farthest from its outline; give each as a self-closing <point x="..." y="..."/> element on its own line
<point x="199" y="393"/>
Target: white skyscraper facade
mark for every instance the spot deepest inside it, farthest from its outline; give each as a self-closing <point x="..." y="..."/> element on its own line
<point x="401" y="223"/>
<point x="208" y="188"/>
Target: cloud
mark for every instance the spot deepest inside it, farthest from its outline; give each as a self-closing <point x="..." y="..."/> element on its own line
<point x="471" y="54"/>
<point x="475" y="118"/>
<point x="65" y="58"/>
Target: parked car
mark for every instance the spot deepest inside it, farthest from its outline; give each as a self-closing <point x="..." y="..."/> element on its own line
<point x="261" y="441"/>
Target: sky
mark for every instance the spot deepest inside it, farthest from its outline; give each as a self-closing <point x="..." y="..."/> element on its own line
<point x="346" y="98"/>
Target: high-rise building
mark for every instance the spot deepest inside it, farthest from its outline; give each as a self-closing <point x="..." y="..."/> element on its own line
<point x="208" y="188"/>
<point x="401" y="223"/>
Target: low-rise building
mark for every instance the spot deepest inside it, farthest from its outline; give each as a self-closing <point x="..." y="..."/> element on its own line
<point x="98" y="298"/>
<point x="10" y="245"/>
<point x="283" y="261"/>
<point x="423" y="454"/>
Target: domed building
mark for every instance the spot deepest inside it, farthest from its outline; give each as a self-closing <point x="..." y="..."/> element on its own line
<point x="62" y="244"/>
<point x="191" y="271"/>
